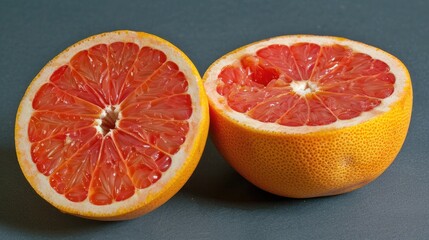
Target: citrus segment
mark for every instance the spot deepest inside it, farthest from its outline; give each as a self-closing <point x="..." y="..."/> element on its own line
<point x="73" y="176"/>
<point x="109" y="125"/>
<point x="111" y="181"/>
<point x="51" y="98"/>
<point x="166" y="81"/>
<point x="319" y="114"/>
<point x="175" y="107"/>
<point x="305" y="56"/>
<point x="345" y="106"/>
<point x="280" y="57"/>
<point x="91" y="64"/>
<point x="273" y="108"/>
<point x="122" y="57"/>
<point x="144" y="162"/>
<point x="148" y="61"/>
<point x="306" y="116"/>
<point x="45" y="123"/>
<point x="49" y="153"/>
<point x="380" y="86"/>
<point x="166" y="135"/>
<point x="332" y="59"/>
<point x="296" y="115"/>
<point x="68" y="80"/>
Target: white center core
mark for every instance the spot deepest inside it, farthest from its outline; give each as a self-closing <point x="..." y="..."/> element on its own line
<point x="108" y="119"/>
<point x="303" y="87"/>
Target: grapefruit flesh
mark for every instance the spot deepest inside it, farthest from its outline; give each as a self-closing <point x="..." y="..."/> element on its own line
<point x="108" y="123"/>
<point x="305" y="84"/>
<point x="153" y="119"/>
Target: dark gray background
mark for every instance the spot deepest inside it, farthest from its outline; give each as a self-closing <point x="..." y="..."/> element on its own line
<point x="217" y="203"/>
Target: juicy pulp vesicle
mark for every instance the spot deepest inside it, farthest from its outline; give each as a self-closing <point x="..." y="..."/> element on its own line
<point x="108" y="122"/>
<point x="305" y="84"/>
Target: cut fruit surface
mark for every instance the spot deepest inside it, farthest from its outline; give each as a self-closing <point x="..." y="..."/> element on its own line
<point x="113" y="126"/>
<point x="306" y="116"/>
<point x="323" y="83"/>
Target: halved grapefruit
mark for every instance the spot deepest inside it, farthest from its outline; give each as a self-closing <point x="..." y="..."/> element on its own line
<point x="113" y="126"/>
<point x="305" y="116"/>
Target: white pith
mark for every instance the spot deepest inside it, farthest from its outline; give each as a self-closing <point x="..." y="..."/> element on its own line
<point x="41" y="183"/>
<point x="303" y="87"/>
<point x="98" y="122"/>
<point x="219" y="102"/>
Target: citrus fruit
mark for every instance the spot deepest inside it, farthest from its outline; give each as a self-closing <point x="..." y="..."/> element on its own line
<point x="306" y="116"/>
<point x="113" y="126"/>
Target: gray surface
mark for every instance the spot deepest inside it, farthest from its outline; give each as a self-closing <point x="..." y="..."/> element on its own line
<point x="217" y="203"/>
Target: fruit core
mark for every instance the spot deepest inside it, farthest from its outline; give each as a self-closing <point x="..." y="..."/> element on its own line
<point x="109" y="119"/>
<point x="305" y="84"/>
<point x="303" y="87"/>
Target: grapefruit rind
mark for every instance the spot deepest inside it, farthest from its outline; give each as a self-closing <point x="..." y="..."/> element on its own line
<point x="183" y="162"/>
<point x="314" y="164"/>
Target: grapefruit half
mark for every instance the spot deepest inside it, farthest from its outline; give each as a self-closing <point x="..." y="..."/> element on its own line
<point x="306" y="116"/>
<point x="113" y="126"/>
